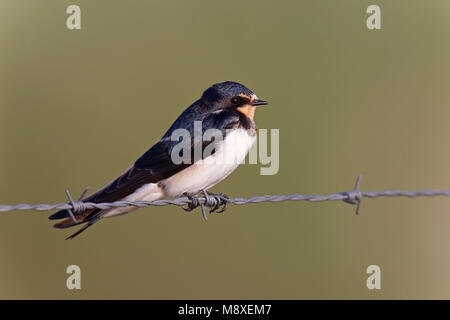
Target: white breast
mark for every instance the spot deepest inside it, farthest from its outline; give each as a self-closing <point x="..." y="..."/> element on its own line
<point x="206" y="173"/>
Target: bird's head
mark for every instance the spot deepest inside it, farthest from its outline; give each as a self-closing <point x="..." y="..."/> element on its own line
<point x="232" y="95"/>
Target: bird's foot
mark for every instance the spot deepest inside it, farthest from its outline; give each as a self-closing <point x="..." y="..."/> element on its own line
<point x="220" y="201"/>
<point x="195" y="202"/>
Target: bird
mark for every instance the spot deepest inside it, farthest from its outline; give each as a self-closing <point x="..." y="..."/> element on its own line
<point x="228" y="108"/>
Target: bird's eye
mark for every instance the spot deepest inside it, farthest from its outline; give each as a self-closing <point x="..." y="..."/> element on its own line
<point x="235" y="100"/>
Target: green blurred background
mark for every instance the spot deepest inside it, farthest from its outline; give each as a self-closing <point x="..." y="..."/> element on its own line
<point x="347" y="100"/>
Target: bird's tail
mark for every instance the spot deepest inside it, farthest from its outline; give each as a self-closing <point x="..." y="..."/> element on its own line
<point x="89" y="217"/>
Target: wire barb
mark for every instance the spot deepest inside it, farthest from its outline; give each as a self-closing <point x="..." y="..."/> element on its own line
<point x="355" y="196"/>
<point x="77" y="206"/>
<point x="72" y="216"/>
<point x="202" y="205"/>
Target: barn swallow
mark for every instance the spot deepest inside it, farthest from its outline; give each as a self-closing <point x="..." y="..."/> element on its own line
<point x="228" y="107"/>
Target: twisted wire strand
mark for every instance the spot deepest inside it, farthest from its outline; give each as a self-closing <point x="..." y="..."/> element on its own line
<point x="353" y="196"/>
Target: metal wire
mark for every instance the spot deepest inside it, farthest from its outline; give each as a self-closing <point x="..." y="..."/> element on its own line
<point x="353" y="196"/>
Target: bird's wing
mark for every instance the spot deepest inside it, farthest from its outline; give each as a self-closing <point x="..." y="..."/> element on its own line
<point x="156" y="164"/>
<point x="153" y="166"/>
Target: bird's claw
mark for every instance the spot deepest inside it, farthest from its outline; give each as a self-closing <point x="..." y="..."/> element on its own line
<point x="195" y="202"/>
<point x="221" y="200"/>
<point x="220" y="203"/>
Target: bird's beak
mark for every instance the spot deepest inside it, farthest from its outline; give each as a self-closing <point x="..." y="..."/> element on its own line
<point x="259" y="102"/>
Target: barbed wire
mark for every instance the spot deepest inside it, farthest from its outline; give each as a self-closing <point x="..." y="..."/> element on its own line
<point x="353" y="196"/>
